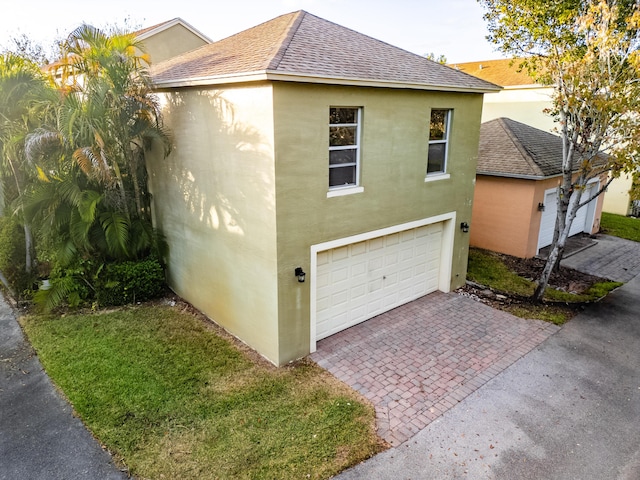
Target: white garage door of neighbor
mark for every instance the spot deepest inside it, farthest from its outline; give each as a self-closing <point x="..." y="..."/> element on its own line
<point x="548" y="220"/>
<point x="361" y="280"/>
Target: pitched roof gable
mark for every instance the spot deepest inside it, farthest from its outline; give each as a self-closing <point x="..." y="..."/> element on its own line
<point x="302" y="47"/>
<point x="504" y="72"/>
<point x="513" y="149"/>
<point x="152" y="30"/>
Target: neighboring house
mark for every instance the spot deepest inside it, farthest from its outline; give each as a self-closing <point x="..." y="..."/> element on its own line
<point x="520" y="99"/>
<point x="515" y="201"/>
<point x="161" y="42"/>
<point x="525" y="101"/>
<point x="303" y="146"/>
<point x="170" y="38"/>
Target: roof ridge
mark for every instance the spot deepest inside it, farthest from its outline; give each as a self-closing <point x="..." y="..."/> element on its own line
<point x="287" y="38"/>
<point x="526" y="155"/>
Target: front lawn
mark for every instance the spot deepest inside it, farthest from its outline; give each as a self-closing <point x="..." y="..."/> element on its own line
<point x="171" y="398"/>
<point x="620" y="226"/>
<point x="513" y="279"/>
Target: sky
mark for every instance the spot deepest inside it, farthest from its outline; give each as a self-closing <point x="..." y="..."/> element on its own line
<point x="453" y="28"/>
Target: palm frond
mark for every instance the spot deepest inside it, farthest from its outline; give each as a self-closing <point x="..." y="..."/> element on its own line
<point x="55" y="295"/>
<point x="116" y="230"/>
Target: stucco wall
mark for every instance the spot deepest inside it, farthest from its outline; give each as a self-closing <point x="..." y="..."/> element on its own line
<point x="617" y="198"/>
<point x="522" y="104"/>
<point x="505" y="217"/>
<point x="171" y="42"/>
<point x="393" y="157"/>
<point x="214" y="200"/>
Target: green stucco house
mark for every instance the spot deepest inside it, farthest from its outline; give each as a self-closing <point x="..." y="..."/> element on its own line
<point x="319" y="177"/>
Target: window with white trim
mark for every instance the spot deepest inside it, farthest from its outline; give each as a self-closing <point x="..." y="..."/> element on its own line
<point x="439" y="127"/>
<point x="344" y="146"/>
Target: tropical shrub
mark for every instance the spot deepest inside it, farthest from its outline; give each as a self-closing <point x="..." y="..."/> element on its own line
<point x="129" y="282"/>
<point x="12" y="255"/>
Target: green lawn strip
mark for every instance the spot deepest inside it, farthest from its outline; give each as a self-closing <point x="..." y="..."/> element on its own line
<point x="620" y="226"/>
<point x="487" y="269"/>
<point x="173" y="399"/>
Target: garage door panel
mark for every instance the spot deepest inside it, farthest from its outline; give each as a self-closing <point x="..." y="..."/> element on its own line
<point x="359" y="281"/>
<point x="393" y="239"/>
<point x="376" y="244"/>
<point x="359" y="248"/>
<point x="375" y="285"/>
<point x="359" y="269"/>
<point x="338" y="254"/>
<point x="340" y="274"/>
<point x="376" y="263"/>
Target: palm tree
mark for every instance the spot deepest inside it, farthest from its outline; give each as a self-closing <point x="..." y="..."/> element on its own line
<point x="106" y="120"/>
<point x="22" y="90"/>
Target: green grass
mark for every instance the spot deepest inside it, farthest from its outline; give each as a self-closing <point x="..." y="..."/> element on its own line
<point x="620" y="226"/>
<point x="172" y="399"/>
<point x="487" y="269"/>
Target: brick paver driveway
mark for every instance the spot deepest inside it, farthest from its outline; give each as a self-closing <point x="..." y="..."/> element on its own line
<point x="417" y="361"/>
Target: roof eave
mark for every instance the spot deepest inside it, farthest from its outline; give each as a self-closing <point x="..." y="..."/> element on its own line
<point x="528" y="86"/>
<point x="517" y="176"/>
<point x="312" y="78"/>
<point x="171" y="23"/>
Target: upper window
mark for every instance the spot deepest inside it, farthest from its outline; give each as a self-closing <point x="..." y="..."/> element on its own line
<point x="438" y="141"/>
<point x="344" y="141"/>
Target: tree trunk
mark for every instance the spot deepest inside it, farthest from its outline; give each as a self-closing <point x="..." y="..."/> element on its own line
<point x="28" y="246"/>
<point x="28" y="239"/>
<point x="557" y="247"/>
<point x="5" y="282"/>
<point x="556" y="267"/>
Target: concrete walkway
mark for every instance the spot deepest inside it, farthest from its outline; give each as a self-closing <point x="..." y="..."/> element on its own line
<point x="570" y="409"/>
<point x="39" y="436"/>
<point x="610" y="257"/>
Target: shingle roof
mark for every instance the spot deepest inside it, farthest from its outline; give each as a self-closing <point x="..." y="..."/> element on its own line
<point x="299" y="46"/>
<point x="501" y="72"/>
<point x="510" y="148"/>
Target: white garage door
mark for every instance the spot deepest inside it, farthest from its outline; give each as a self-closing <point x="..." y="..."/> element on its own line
<point x="582" y="222"/>
<point x="361" y="280"/>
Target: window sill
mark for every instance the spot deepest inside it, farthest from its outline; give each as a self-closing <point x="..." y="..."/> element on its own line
<point x="339" y="192"/>
<point x="433" y="177"/>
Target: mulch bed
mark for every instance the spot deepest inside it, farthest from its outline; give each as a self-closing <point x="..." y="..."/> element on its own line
<point x="566" y="279"/>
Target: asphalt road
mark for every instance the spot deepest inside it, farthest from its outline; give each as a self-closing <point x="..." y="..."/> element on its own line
<point x="569" y="410"/>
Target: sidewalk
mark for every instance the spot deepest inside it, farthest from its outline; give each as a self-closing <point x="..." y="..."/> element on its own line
<point x="610" y="257"/>
<point x="39" y="436"/>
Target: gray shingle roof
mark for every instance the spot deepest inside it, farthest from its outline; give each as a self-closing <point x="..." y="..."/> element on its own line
<point x="302" y="45"/>
<point x="512" y="148"/>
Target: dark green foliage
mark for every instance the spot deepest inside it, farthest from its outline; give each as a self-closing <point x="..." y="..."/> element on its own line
<point x="12" y="255"/>
<point x="87" y="282"/>
<point x="129" y="282"/>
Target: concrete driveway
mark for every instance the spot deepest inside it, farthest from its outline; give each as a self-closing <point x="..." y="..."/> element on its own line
<point x="570" y="409"/>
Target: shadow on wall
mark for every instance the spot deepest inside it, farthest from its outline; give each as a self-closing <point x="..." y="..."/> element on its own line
<point x="217" y="170"/>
